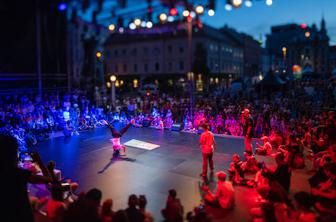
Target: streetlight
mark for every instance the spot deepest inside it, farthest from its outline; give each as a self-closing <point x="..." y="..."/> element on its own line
<point x="113" y="79"/>
<point x="190" y="76"/>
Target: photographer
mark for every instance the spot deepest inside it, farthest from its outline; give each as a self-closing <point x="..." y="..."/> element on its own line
<point x="15" y="188"/>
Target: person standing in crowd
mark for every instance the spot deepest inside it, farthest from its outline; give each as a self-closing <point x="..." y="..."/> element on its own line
<point x="247" y="122"/>
<point x="207" y="145"/>
<point x="16" y="179"/>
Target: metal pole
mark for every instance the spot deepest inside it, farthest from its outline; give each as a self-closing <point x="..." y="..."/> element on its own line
<point x="113" y="94"/>
<point x="38" y="46"/>
<point x="189" y="27"/>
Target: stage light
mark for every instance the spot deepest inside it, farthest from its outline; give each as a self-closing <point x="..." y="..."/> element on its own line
<point x="199" y="9"/>
<point x="185" y="13"/>
<point x="163" y="17"/>
<point x="237" y="3"/>
<point x="170" y="19"/>
<point x="62" y="6"/>
<point x="269" y="2"/>
<point x="98" y="54"/>
<point x="149" y="24"/>
<point x="137" y="22"/>
<point x="211" y="12"/>
<point x="111" y="27"/>
<point x="228" y="7"/>
<point x="132" y="26"/>
<point x="143" y="24"/>
<point x="121" y="29"/>
<point x="173" y="11"/>
<point x="307" y="34"/>
<point x="192" y="14"/>
<point x="248" y="3"/>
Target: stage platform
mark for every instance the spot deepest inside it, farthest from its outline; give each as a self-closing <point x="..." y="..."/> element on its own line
<point x="176" y="163"/>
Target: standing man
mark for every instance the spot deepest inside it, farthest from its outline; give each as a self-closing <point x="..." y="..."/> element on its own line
<point x="247" y="122"/>
<point x="207" y="145"/>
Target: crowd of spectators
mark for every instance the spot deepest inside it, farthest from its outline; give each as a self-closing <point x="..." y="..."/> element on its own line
<point x="297" y="127"/>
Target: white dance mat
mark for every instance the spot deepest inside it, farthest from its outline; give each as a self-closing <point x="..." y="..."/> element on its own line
<point x="141" y="144"/>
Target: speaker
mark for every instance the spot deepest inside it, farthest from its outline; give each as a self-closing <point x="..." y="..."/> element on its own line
<point x="146" y="123"/>
<point x="176" y="127"/>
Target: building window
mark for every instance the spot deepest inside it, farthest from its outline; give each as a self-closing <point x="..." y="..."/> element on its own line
<point x="134" y="51"/>
<point x="125" y="68"/>
<point x="146" y="67"/>
<point x="116" y="68"/>
<point x="124" y="52"/>
<point x="170" y="66"/>
<point x="135" y="67"/>
<point x="181" y="49"/>
<point x="156" y="51"/>
<point x="157" y="66"/>
<point x="181" y="65"/>
<point x="170" y="48"/>
<point x="145" y="50"/>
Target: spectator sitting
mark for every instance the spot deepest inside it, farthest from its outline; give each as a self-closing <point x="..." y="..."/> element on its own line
<point x="142" y="208"/>
<point x="56" y="206"/>
<point x="224" y="196"/>
<point x="85" y="209"/>
<point x="174" y="210"/>
<point x="106" y="211"/>
<point x="133" y="213"/>
<point x="266" y="148"/>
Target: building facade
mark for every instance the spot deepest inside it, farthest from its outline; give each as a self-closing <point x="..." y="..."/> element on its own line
<point x="300" y="47"/>
<point x="166" y="53"/>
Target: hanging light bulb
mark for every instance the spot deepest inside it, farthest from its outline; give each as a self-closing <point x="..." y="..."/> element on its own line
<point x="163" y="17"/>
<point x="111" y="27"/>
<point x="149" y="24"/>
<point x="248" y="3"/>
<point x="199" y="9"/>
<point x="237" y="3"/>
<point x="185" y="13"/>
<point x="132" y="26"/>
<point x="137" y="22"/>
<point x="211" y="12"/>
<point x="228" y="7"/>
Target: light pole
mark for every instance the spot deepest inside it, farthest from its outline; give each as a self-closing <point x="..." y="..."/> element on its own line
<point x="113" y="79"/>
<point x="190" y="76"/>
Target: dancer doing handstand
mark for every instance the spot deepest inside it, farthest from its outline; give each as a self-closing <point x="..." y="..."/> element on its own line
<point x="116" y="135"/>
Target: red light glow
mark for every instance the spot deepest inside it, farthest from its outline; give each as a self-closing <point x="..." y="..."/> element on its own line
<point x="303" y="26"/>
<point x="173" y="11"/>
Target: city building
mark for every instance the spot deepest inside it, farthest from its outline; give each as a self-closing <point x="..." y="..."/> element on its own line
<point x="165" y="54"/>
<point x="301" y="48"/>
<point x="251" y="51"/>
<point x="332" y="59"/>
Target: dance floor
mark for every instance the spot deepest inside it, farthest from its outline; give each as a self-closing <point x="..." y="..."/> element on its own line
<point x="87" y="158"/>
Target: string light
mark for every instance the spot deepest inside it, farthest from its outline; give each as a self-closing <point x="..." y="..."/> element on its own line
<point x="199" y="9"/>
<point x="163" y="17"/>
<point x="137" y="22"/>
<point x="149" y="24"/>
<point x="111" y="27"/>
<point x="132" y="26"/>
<point x="269" y="2"/>
<point x="211" y="12"/>
<point x="237" y="3"/>
<point x="228" y="7"/>
<point x="248" y="3"/>
<point x="185" y="13"/>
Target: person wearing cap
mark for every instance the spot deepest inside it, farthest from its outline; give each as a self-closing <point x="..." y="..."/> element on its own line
<point x="247" y="122"/>
<point x="224" y="197"/>
<point x="207" y="145"/>
<point x="266" y="148"/>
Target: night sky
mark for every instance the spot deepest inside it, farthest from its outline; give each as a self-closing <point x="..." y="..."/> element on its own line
<point x="258" y="19"/>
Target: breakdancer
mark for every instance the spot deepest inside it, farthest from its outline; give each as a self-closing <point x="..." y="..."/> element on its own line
<point x="116" y="135"/>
